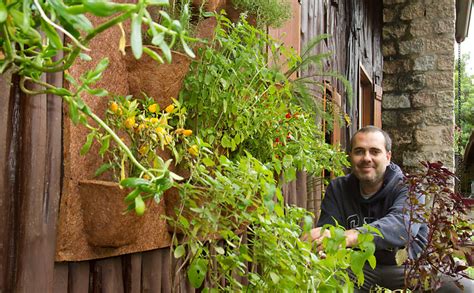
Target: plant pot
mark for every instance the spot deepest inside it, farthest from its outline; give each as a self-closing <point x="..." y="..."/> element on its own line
<point x="159" y="81"/>
<point x="104" y="221"/>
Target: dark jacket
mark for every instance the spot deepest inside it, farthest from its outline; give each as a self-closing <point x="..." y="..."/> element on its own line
<point x="384" y="211"/>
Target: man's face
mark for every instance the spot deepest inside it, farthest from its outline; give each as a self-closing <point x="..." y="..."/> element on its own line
<point x="369" y="157"/>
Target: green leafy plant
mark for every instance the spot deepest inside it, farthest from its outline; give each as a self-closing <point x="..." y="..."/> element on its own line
<point x="31" y="45"/>
<point x="237" y="103"/>
<point x="271" y="13"/>
<point x="240" y="236"/>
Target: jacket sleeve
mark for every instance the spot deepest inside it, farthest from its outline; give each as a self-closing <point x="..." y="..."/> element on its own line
<point x="330" y="210"/>
<point x="395" y="225"/>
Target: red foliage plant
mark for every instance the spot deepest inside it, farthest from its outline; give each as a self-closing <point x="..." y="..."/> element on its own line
<point x="445" y="212"/>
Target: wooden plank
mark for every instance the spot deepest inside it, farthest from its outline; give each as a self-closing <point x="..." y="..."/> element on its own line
<point x="78" y="277"/>
<point x="33" y="198"/>
<point x="109" y="275"/>
<point x="135" y="269"/>
<point x="151" y="271"/>
<point x="301" y="190"/>
<point x="8" y="144"/>
<point x="60" y="284"/>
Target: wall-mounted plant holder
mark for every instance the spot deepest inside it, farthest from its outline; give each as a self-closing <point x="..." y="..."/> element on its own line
<point x="103" y="213"/>
<point x="160" y="81"/>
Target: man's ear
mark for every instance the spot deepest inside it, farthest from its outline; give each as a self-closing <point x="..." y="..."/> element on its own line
<point x="389" y="156"/>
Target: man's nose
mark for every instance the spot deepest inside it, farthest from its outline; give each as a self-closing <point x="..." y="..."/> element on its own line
<point x="367" y="156"/>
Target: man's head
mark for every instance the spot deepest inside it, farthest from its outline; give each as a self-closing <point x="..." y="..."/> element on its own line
<point x="370" y="155"/>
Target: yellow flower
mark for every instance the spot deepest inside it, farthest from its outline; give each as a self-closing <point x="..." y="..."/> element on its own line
<point x="129" y="122"/>
<point x="187" y="132"/>
<point x="179" y="130"/>
<point x="169" y="109"/>
<point x="143" y="150"/>
<point x="146" y="176"/>
<point x="153" y="108"/>
<point x="154" y="120"/>
<point x="194" y="150"/>
<point x="141" y="127"/>
<point x="113" y="107"/>
<point x="160" y="130"/>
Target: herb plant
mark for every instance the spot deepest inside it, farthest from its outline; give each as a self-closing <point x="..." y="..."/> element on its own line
<point x="271" y="13"/>
<point x="238" y="103"/>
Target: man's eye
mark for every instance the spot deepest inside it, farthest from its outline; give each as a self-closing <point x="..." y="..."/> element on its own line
<point x="375" y="152"/>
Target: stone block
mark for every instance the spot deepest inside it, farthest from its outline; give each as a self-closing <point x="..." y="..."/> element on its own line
<point x="434" y="135"/>
<point x="425" y="63"/>
<point x="437" y="116"/>
<point x="423" y="99"/>
<point x="421" y="27"/>
<point x="415" y="46"/>
<point x="389" y="49"/>
<point x="412" y="159"/>
<point x="439" y="45"/>
<point x="444" y="26"/>
<point x="441" y="9"/>
<point x="445" y="98"/>
<point x="394" y="31"/>
<point x="412" y="82"/>
<point x="446" y="62"/>
<point x="397" y="66"/>
<point x="396" y="101"/>
<point x="410" y="118"/>
<point x="389" y="118"/>
<point x="389" y="82"/>
<point x="414" y="10"/>
<point x="401" y="136"/>
<point x="439" y="79"/>
<point x="390" y="14"/>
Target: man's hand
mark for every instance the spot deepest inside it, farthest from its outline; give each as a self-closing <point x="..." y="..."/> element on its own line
<point x="316" y="235"/>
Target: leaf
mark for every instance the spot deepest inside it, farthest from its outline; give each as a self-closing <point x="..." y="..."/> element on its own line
<point x="85" y="57"/>
<point x="3" y="12"/>
<point x="184" y="222"/>
<point x="179" y="251"/>
<point x="197" y="272"/>
<point x="105" y="145"/>
<point x="275" y="278"/>
<point x="98" y="92"/>
<point x="134" y="182"/>
<point x="158" y="2"/>
<point x="86" y="147"/>
<point x="220" y="250"/>
<point x="226" y="141"/>
<point x="401" y="256"/>
<point x="155" y="56"/>
<point x="73" y="112"/>
<point x="132" y="195"/>
<point x="208" y="162"/>
<point x="136" y="36"/>
<point x="52" y="35"/>
<point x="372" y="261"/>
<point x="186" y="48"/>
<point x="102" y="169"/>
<point x="166" y="51"/>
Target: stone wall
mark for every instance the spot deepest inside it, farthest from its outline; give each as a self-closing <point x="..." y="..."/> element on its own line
<point x="418" y="99"/>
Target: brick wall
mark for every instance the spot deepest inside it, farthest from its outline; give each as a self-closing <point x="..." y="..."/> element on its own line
<point x="418" y="100"/>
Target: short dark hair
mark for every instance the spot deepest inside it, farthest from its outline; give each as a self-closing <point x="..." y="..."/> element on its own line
<point x="371" y="128"/>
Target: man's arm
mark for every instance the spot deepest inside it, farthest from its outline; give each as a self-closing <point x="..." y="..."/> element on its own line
<point x="330" y="210"/>
<point x="394" y="226"/>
